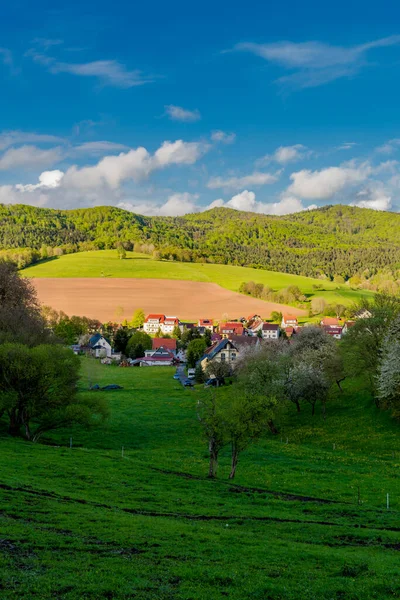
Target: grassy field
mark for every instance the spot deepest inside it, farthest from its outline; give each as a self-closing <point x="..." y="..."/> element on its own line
<point x="105" y="263"/>
<point x="87" y="523"/>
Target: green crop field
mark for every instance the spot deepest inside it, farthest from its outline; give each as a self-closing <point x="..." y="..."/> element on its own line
<point x="89" y="523"/>
<point x="105" y="263"/>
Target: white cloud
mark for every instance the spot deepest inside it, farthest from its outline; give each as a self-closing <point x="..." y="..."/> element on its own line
<point x="176" y="205"/>
<point x="98" y="147"/>
<point x="48" y="179"/>
<point x="324" y="184"/>
<point x="347" y="146"/>
<point x="6" y="57"/>
<point x="315" y="63"/>
<point x="236" y="183"/>
<point x="389" y="147"/>
<point x="108" y="72"/>
<point x="375" y="197"/>
<point x="13" y="138"/>
<point x="246" y="201"/>
<point x="177" y="113"/>
<point x="29" y="157"/>
<point x="286" y="154"/>
<point x="223" y="137"/>
<point x="179" y="152"/>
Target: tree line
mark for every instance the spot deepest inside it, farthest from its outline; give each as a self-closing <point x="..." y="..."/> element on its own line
<point x="331" y="242"/>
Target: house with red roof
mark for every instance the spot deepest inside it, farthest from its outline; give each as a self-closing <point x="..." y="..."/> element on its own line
<point x="166" y="343"/>
<point x="289" y="321"/>
<point x="231" y="328"/>
<point x="330" y="322"/>
<point x="152" y="323"/>
<point x="207" y="324"/>
<point x="335" y="332"/>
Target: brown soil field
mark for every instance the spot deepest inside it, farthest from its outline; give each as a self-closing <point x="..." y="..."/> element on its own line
<point x="117" y="299"/>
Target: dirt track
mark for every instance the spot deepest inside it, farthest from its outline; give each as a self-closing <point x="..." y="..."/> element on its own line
<point x="117" y="299"/>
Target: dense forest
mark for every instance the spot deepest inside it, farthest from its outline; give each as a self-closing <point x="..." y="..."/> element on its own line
<point x="333" y="241"/>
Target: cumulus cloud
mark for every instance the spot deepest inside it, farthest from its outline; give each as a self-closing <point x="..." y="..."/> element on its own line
<point x="324" y="184"/>
<point x="177" y="113"/>
<point x="29" y="157"/>
<point x="223" y="137"/>
<point x="246" y="201"/>
<point x="236" y="183"/>
<point x="176" y="205"/>
<point x="286" y="154"/>
<point x="389" y="147"/>
<point x="103" y="182"/>
<point x="48" y="179"/>
<point x="375" y="197"/>
<point x="315" y="63"/>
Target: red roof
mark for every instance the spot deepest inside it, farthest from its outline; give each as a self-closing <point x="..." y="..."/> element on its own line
<point x="287" y="318"/>
<point x="330" y="321"/>
<point x="232" y="326"/>
<point x="155" y="317"/>
<point x="168" y="344"/>
<point x="204" y="322"/>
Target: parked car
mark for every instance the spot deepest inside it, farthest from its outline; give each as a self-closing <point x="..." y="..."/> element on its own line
<point x="188" y="383"/>
<point x="176" y="376"/>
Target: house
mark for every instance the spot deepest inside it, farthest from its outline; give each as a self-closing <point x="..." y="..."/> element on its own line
<point x="168" y="344"/>
<point x="231" y="328"/>
<point x="270" y="331"/>
<point x="363" y="313"/>
<point x="289" y="331"/>
<point x="335" y="332"/>
<point x="169" y="324"/>
<point x="245" y="342"/>
<point x="254" y="327"/>
<point x="348" y="325"/>
<point x="223" y="351"/>
<point x="330" y="322"/>
<point x="207" y="324"/>
<point x="100" y="346"/>
<point x="162" y="357"/>
<point x="216" y="337"/>
<point x="152" y="323"/>
<point x="289" y="321"/>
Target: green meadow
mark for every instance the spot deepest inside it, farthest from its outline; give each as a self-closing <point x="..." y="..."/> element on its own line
<point x="305" y="518"/>
<point x="105" y="263"/>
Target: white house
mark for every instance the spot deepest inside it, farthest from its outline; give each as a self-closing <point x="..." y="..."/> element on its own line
<point x="169" y="324"/>
<point x="152" y="323"/>
<point x="289" y="321"/>
<point x="270" y="331"/>
<point x="100" y="346"/>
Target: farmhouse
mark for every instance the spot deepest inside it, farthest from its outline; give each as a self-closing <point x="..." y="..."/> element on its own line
<point x="231" y="328"/>
<point x="224" y="351"/>
<point x="207" y="324"/>
<point x="288" y="321"/>
<point x="270" y="331"/>
<point x="100" y="346"/>
<point x="335" y="332"/>
<point x="330" y="322"/>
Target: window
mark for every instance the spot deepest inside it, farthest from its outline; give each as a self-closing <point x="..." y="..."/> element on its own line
<point x="233" y="356"/>
<point x="222" y="356"/>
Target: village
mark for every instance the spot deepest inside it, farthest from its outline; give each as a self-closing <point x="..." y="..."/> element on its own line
<point x="227" y="341"/>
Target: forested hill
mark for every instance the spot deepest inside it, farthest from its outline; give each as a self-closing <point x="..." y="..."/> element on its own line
<point x="334" y="240"/>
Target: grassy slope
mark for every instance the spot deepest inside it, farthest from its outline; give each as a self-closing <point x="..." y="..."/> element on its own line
<point x="151" y="526"/>
<point x="106" y="263"/>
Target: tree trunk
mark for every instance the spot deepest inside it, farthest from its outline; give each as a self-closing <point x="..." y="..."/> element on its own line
<point x="338" y="381"/>
<point x="15" y="423"/>
<point x="212" y="471"/>
<point x="297" y="406"/>
<point x="313" y="409"/>
<point x="273" y="429"/>
<point x="234" y="462"/>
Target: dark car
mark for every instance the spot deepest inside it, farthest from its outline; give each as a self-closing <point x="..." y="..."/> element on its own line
<point x="215" y="382"/>
<point x="188" y="383"/>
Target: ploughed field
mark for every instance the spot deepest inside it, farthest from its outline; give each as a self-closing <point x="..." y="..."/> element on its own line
<point x="117" y="299"/>
<point x="88" y="523"/>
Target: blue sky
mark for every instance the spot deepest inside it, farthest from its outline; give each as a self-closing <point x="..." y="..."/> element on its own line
<point x="172" y="107"/>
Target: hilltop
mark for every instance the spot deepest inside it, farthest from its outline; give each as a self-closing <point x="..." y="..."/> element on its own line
<point x="331" y="241"/>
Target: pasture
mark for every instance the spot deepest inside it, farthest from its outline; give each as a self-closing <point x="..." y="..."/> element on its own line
<point x="305" y="518"/>
<point x="106" y="264"/>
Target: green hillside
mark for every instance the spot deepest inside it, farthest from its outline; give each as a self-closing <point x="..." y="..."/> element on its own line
<point x="87" y="523"/>
<point x="336" y="240"/>
<point x="105" y="263"/>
